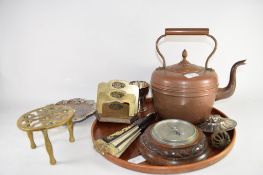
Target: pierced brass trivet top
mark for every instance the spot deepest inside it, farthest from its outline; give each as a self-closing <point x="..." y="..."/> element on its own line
<point x="45" y="118"/>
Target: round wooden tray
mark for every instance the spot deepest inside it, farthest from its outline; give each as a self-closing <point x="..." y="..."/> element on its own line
<point x="100" y="129"/>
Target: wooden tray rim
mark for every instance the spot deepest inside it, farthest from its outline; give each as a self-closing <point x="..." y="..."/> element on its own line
<point x="155" y="169"/>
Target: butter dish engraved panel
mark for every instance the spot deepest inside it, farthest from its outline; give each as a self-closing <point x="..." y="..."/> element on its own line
<point x="117" y="101"/>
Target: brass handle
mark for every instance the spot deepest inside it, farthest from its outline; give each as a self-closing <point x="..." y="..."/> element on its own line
<point x="186" y="31"/>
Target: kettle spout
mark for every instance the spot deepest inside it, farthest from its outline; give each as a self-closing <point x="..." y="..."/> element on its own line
<point x="230" y="88"/>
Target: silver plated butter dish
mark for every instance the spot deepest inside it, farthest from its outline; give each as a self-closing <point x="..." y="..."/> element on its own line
<point x="216" y="122"/>
<point x="83" y="108"/>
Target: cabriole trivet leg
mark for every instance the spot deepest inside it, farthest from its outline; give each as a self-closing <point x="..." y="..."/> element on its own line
<point x="49" y="148"/>
<point x="31" y="138"/>
<point x="70" y="129"/>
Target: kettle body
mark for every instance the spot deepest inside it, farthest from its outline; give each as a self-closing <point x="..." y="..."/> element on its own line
<point x="187" y="91"/>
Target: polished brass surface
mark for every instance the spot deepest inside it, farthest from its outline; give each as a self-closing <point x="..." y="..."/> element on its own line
<point x="45" y="118"/>
<point x="31" y="138"/>
<point x="70" y="129"/>
<point x="117" y="101"/>
<point x="49" y="148"/>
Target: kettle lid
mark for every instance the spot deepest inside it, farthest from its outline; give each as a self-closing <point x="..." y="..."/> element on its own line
<point x="184" y="75"/>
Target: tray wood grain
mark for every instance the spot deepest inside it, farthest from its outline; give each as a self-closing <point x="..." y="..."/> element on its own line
<point x="102" y="129"/>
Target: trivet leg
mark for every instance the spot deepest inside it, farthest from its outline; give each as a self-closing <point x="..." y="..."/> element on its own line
<point x="31" y="138"/>
<point x="52" y="159"/>
<point x="70" y="129"/>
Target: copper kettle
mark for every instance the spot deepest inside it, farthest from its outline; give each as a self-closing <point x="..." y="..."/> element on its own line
<point x="187" y="91"/>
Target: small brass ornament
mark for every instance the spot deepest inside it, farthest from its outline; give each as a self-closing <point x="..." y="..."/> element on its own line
<point x="218" y="126"/>
<point x="220" y="139"/>
<point x="117" y="101"/>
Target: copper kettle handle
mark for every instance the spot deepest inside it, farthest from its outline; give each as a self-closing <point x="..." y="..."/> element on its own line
<point x="186" y="31"/>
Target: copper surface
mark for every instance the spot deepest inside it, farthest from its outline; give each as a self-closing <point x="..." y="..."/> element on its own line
<point x="187" y="91"/>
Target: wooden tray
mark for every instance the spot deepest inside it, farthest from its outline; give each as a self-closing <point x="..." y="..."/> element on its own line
<point x="100" y="130"/>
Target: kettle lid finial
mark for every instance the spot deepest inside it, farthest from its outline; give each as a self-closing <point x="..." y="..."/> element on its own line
<point x="184" y="54"/>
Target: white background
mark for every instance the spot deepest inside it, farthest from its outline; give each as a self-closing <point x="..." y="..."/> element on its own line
<point x="58" y="49"/>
